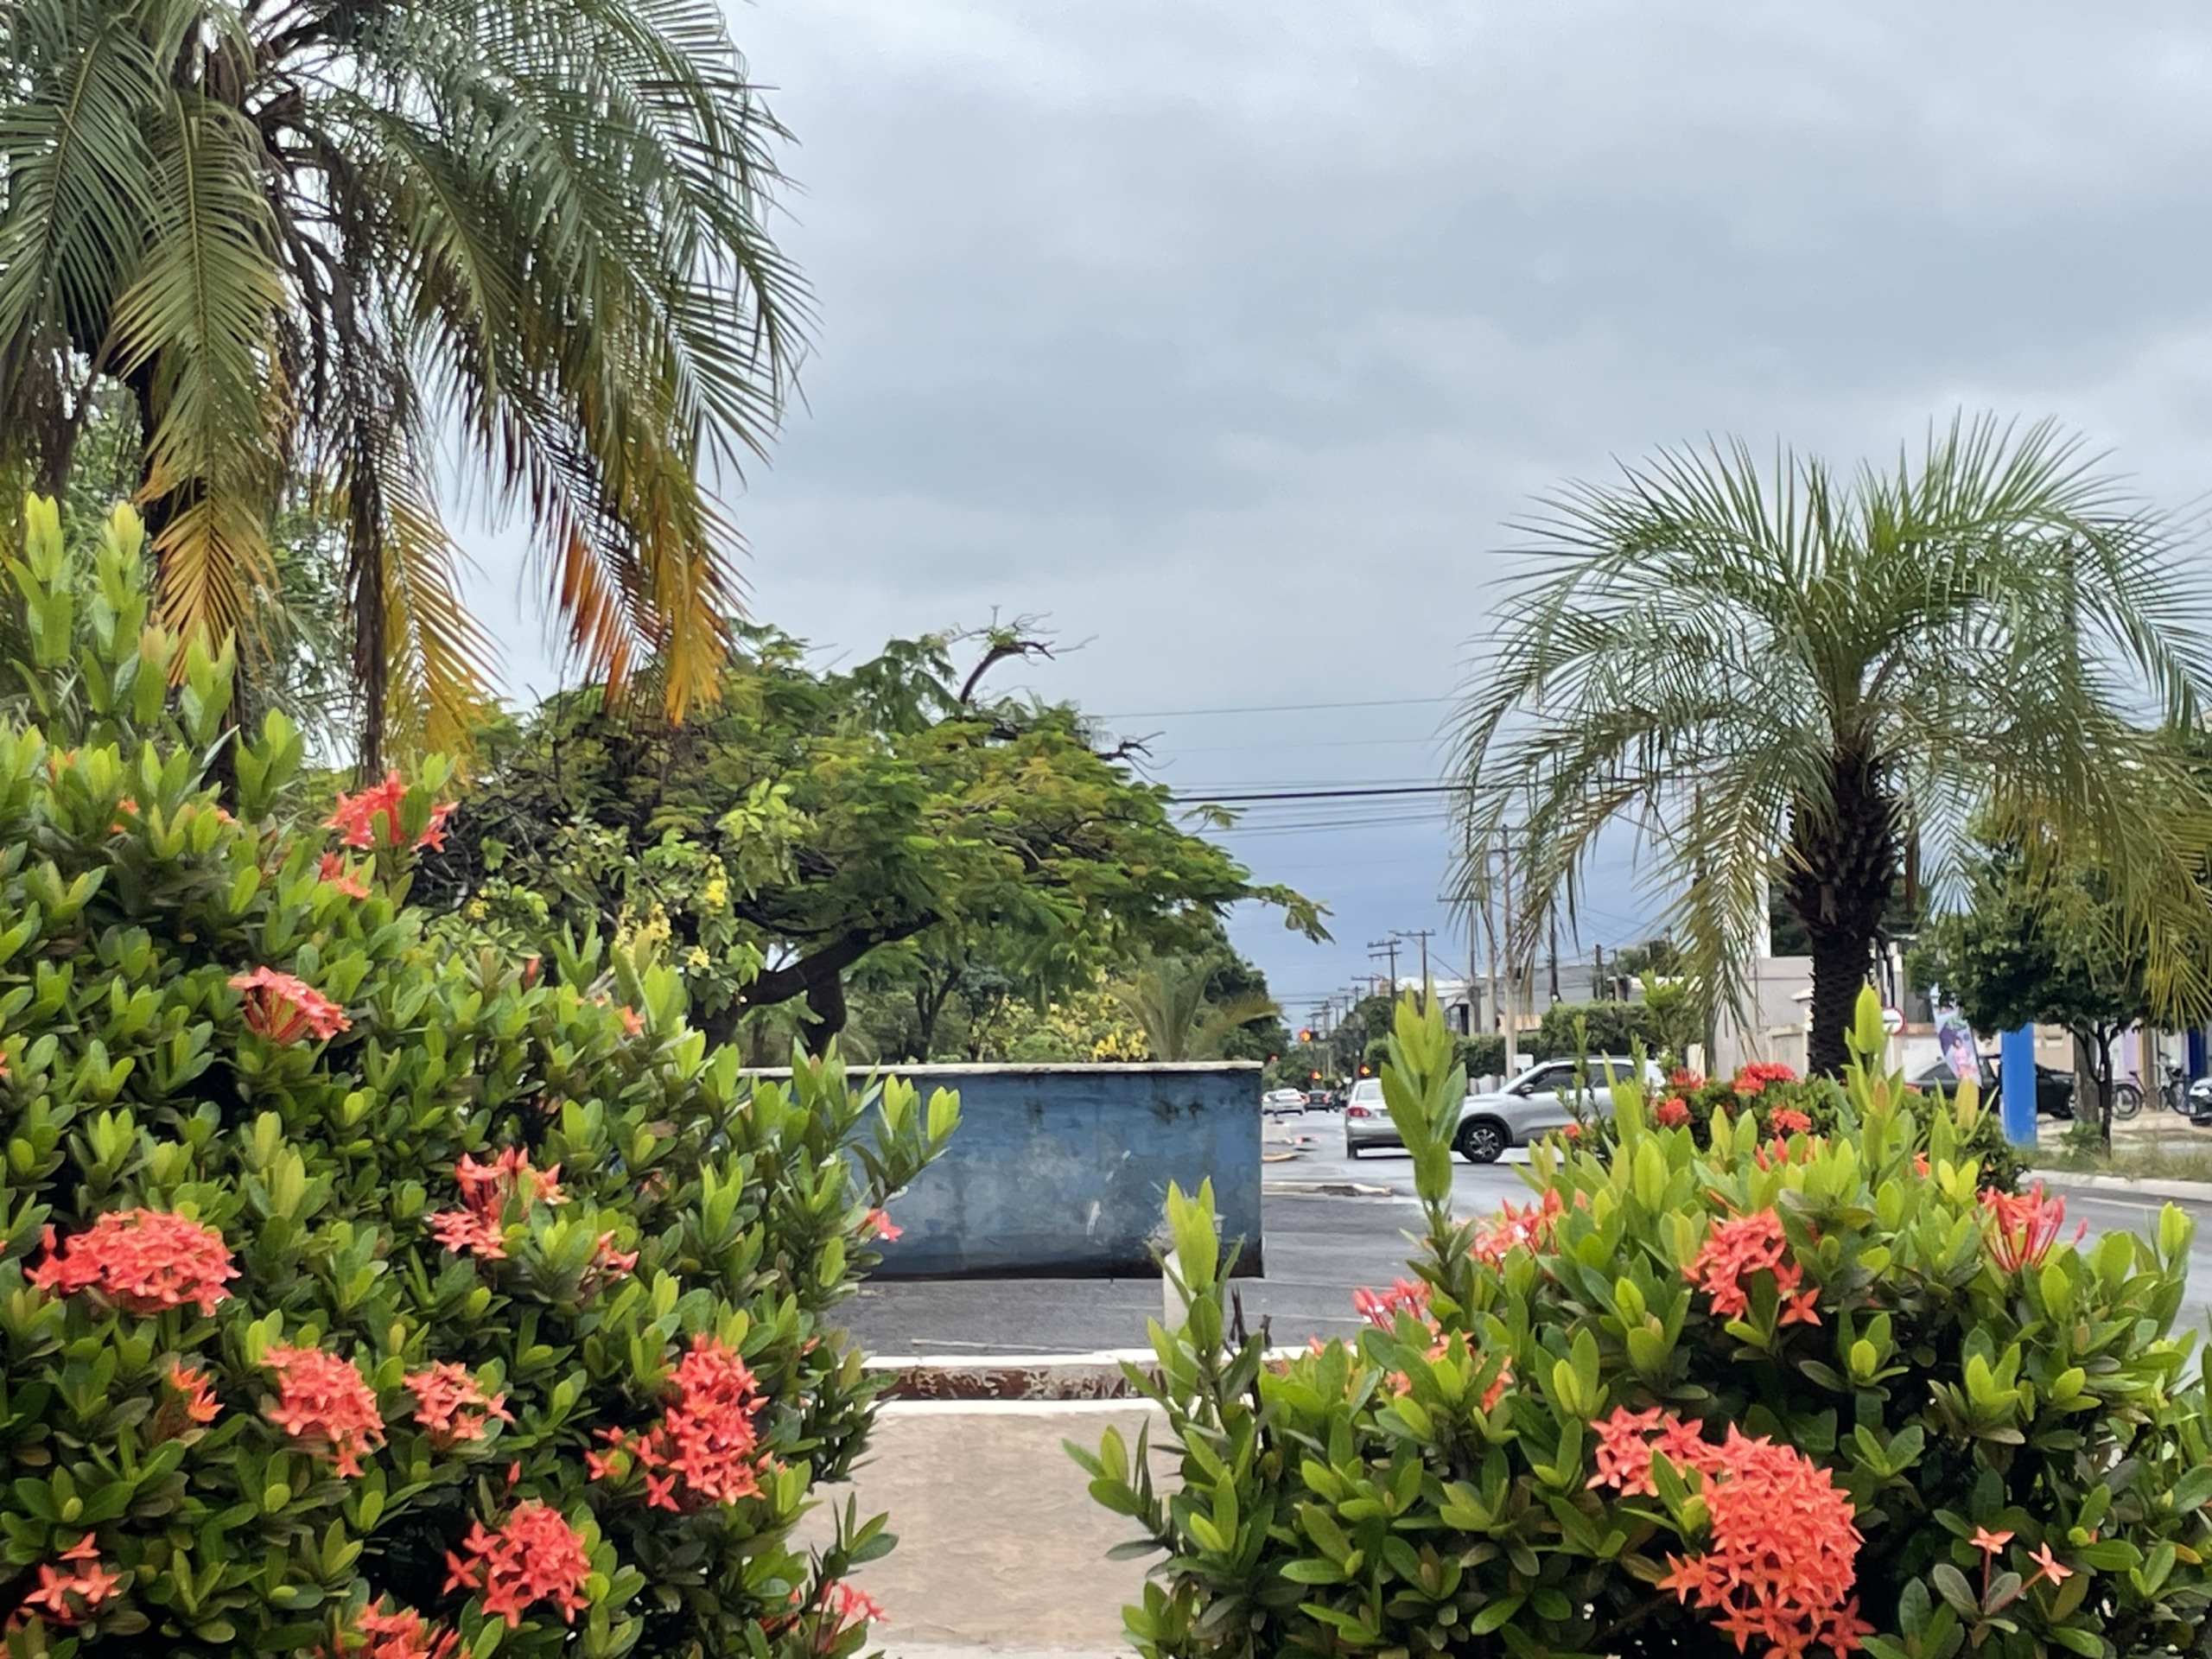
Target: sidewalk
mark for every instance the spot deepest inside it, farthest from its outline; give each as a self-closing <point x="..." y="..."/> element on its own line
<point x="1000" y="1550"/>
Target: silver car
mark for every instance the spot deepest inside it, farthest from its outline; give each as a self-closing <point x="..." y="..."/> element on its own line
<point x="1538" y="1101"/>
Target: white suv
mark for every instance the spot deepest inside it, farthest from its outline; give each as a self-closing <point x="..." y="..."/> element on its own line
<point x="1538" y="1101"/>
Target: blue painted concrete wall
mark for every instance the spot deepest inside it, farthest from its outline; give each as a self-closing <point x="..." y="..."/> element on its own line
<point x="1060" y="1171"/>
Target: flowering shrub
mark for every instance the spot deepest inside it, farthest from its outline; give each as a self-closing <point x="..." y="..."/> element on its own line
<point x="1784" y="1104"/>
<point x="368" y="1300"/>
<point x="1729" y="1392"/>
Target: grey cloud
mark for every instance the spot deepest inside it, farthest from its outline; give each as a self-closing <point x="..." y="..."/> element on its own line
<point x="1233" y="335"/>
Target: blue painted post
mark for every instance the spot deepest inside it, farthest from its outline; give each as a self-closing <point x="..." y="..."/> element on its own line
<point x="2016" y="1063"/>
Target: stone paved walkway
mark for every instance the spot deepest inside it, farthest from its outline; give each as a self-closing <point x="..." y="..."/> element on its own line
<point x="1000" y="1550"/>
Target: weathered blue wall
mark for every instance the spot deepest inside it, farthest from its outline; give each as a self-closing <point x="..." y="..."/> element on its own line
<point x="1060" y="1171"/>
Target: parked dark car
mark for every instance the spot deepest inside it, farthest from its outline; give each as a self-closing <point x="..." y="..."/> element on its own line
<point x="2053" y="1088"/>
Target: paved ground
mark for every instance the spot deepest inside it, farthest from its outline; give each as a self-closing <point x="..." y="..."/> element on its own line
<point x="1320" y="1246"/>
<point x="1002" y="1548"/>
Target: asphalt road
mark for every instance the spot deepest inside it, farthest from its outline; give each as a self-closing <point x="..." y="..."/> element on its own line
<point x="1332" y="1225"/>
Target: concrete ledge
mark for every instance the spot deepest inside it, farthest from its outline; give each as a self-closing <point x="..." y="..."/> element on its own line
<point x="1010" y="1377"/>
<point x="2127" y="1186"/>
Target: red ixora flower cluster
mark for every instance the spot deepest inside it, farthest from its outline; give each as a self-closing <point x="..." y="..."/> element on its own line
<point x="1381" y="1308"/>
<point x="478" y="1228"/>
<point x="1784" y="1548"/>
<point x="355" y="818"/>
<point x="1672" y="1112"/>
<point x="535" y="1555"/>
<point x="1788" y="1119"/>
<point x="334" y="868"/>
<point x="1746" y="1244"/>
<point x="449" y="1403"/>
<point x="403" y="1633"/>
<point x="1753" y="1077"/>
<point x="322" y="1399"/>
<point x="144" y="1261"/>
<point x="1529" y="1226"/>
<point x="2023" y="1226"/>
<point x="283" y="1008"/>
<point x="66" y="1594"/>
<point x="705" y="1439"/>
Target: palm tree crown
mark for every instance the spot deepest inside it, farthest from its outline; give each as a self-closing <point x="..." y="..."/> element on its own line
<point x="327" y="239"/>
<point x="1777" y="676"/>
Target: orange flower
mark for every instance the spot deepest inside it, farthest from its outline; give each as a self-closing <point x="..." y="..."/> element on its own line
<point x="535" y="1555"/>
<point x="65" y="1597"/>
<point x="1381" y="1308"/>
<point x="321" y="1398"/>
<point x="1530" y="1227"/>
<point x="487" y="1190"/>
<point x="1783" y="1544"/>
<point x="1754" y="1076"/>
<point x="1625" y="1451"/>
<point x="334" y="869"/>
<point x="2049" y="1566"/>
<point x="1990" y="1542"/>
<point x="1672" y="1112"/>
<point x="2023" y="1226"/>
<point x="842" y="1607"/>
<point x="632" y="1023"/>
<point x="706" y="1439"/>
<point x="1743" y="1245"/>
<point x="401" y="1633"/>
<point x="1788" y="1119"/>
<point x="283" y="1008"/>
<point x="142" y="1261"/>
<point x="881" y="1225"/>
<point x="449" y="1403"/>
<point x="197" y="1397"/>
<point x="371" y="819"/>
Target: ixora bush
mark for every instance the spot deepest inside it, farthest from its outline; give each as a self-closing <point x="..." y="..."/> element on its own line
<point x="1780" y="1394"/>
<point x="364" y="1298"/>
<point x="1785" y="1104"/>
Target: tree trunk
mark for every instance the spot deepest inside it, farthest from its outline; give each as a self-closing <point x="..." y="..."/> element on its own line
<point x="1841" y="860"/>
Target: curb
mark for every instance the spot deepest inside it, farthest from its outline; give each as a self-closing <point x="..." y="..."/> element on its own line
<point x="1094" y="1376"/>
<point x="2075" y="1181"/>
<point x="969" y="1380"/>
<point x="1328" y="1189"/>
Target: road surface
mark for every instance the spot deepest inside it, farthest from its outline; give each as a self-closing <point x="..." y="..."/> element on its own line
<point x="1333" y="1225"/>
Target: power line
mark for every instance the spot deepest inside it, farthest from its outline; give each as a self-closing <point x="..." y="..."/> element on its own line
<point x="1278" y="707"/>
<point x="1319" y="794"/>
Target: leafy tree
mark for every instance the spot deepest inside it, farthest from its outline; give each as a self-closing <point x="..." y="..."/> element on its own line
<point x="811" y="819"/>
<point x="2041" y="946"/>
<point x="313" y="243"/>
<point x="1167" y="998"/>
<point x="1791" y="677"/>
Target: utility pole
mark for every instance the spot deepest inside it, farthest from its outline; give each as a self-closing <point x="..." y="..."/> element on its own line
<point x="1552" y="920"/>
<point x="1424" y="934"/>
<point x="1387" y="948"/>
<point x="1512" y="979"/>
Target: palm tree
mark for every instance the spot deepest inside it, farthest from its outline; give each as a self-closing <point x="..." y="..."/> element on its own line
<point x="1784" y="677"/>
<point x="322" y="241"/>
<point x="1167" y="996"/>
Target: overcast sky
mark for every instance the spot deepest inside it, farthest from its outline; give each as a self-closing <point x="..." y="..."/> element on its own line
<point x="1230" y="335"/>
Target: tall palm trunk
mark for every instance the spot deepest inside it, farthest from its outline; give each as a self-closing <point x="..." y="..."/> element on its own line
<point x="1842" y="859"/>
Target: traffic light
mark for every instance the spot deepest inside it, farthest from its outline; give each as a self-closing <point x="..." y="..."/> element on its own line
<point x="1306" y="1033"/>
